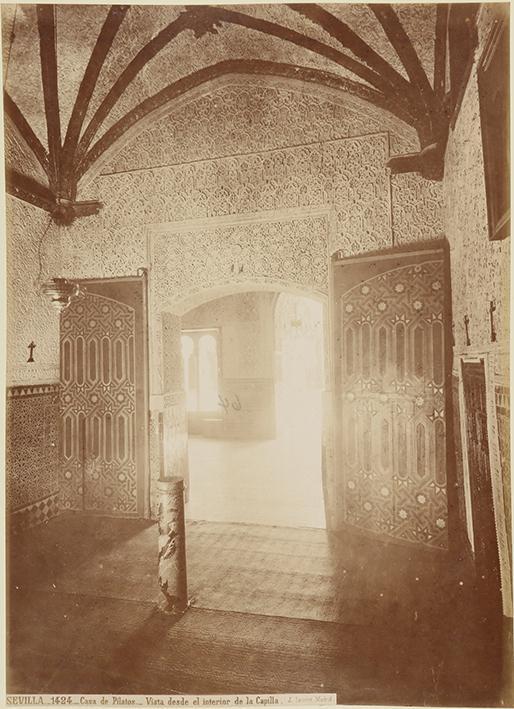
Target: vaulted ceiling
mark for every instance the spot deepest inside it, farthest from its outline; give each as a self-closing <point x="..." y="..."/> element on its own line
<point x="78" y="77"/>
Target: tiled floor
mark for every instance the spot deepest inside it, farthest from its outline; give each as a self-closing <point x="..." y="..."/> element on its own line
<point x="277" y="571"/>
<point x="82" y="609"/>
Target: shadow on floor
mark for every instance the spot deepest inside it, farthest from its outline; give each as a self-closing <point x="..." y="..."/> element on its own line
<point x="75" y="627"/>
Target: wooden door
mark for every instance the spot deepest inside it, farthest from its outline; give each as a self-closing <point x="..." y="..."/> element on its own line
<point x="484" y="526"/>
<point x="390" y="372"/>
<point x="103" y="392"/>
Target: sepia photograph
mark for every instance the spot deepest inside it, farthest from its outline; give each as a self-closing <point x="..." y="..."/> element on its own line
<point x="257" y="419"/>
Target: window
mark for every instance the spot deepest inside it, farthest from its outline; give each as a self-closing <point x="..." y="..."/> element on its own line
<point x="200" y="369"/>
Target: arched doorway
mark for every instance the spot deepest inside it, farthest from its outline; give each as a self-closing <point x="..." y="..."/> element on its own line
<point x="253" y="375"/>
<point x="299" y="383"/>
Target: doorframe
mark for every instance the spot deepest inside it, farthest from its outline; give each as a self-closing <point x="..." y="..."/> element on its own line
<point x="487" y="357"/>
<point x="140" y="277"/>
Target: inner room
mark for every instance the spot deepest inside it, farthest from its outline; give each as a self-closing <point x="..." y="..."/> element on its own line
<point x="254" y="379"/>
<point x="258" y="344"/>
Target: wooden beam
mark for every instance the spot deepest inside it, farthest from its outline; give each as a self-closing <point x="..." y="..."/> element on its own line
<point x="102" y="46"/>
<point x="145" y="54"/>
<point x="203" y="19"/>
<point x="462" y="42"/>
<point x="233" y="66"/>
<point x="440" y="46"/>
<point x="344" y="34"/>
<point x="29" y="190"/>
<point x="402" y="44"/>
<point x="18" y="119"/>
<point x="48" y="55"/>
<point x="300" y="40"/>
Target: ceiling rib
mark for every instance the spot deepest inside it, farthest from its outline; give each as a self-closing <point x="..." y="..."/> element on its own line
<point x="148" y="52"/>
<point x="300" y="40"/>
<point x="412" y="100"/>
<point x="401" y="43"/>
<point x="18" y="119"/>
<point x="29" y="190"/>
<point x="341" y="32"/>
<point x="239" y="66"/>
<point x="47" y="50"/>
<point x="441" y="31"/>
<point x="102" y="46"/>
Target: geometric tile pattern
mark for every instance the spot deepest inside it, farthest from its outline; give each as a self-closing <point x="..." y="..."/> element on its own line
<point x="393" y="404"/>
<point x="98" y="406"/>
<point x="32" y="461"/>
<point x="34" y="514"/>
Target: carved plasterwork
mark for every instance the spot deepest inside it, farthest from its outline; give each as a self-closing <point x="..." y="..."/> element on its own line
<point x="236" y="115"/>
<point x="480" y="268"/>
<point x="78" y="28"/>
<point x="345" y="179"/>
<point x="479" y="273"/>
<point x="32" y="257"/>
<point x="291" y="252"/>
<point x="416" y="208"/>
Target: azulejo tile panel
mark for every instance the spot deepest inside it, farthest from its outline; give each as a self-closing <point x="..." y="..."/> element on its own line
<point x="31" y="445"/>
<point x="36" y="513"/>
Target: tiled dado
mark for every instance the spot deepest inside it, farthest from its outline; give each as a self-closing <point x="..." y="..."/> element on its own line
<point x="32" y="453"/>
<point x="34" y="514"/>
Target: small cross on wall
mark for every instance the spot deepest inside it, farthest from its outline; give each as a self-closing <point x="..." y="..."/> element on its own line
<point x="31" y="348"/>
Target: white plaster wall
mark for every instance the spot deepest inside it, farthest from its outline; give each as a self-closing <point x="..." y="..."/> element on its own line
<point x="32" y="257"/>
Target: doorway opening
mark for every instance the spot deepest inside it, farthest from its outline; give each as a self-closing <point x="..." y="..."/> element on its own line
<point x="253" y="367"/>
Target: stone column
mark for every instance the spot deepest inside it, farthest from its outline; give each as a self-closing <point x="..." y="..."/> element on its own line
<point x="172" y="545"/>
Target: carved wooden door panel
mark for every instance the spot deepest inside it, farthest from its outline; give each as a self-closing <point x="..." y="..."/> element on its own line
<point x="389" y="330"/>
<point x="484" y="526"/>
<point x="99" y="471"/>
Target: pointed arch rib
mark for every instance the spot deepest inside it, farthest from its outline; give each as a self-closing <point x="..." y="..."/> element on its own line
<point x="203" y="19"/>
<point x="402" y="45"/>
<point x="301" y="40"/>
<point x="13" y="111"/>
<point x="441" y="41"/>
<point x="48" y="55"/>
<point x="237" y="66"/>
<point x="344" y="34"/>
<point x="148" y="52"/>
<point x="29" y="190"/>
<point x="103" y="44"/>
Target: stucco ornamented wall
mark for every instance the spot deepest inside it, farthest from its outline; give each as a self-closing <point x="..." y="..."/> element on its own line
<point x="417" y="213"/>
<point x="350" y="174"/>
<point x="30" y="317"/>
<point x="480" y="268"/>
<point x="346" y="176"/>
<point x="286" y="252"/>
<point x="344" y="180"/>
<point x="191" y="171"/>
<point x="480" y="273"/>
<point x="252" y="118"/>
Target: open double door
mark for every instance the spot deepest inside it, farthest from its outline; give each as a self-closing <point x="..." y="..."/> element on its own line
<point x="390" y="319"/>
